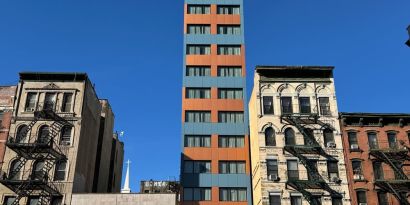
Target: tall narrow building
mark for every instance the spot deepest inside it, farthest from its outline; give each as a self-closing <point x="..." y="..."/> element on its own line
<point x="215" y="149"/>
<point x="296" y="144"/>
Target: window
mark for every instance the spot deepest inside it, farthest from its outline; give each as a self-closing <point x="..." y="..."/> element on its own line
<point x="286" y="103"/>
<point x="290" y="137"/>
<point x="230" y="117"/>
<point x="337" y="201"/>
<point x="67" y="102"/>
<point x="272" y="168"/>
<point x="357" y="170"/>
<point x="295" y="200"/>
<point x="230" y="93"/>
<point x="228" y="9"/>
<point x="293" y="172"/>
<point x="199" y="29"/>
<point x="59" y="174"/>
<point x="198" y="50"/>
<point x="198" y="71"/>
<point x="199" y="9"/>
<point x="15" y="170"/>
<point x="382" y="197"/>
<point x="324" y="106"/>
<point x="231" y="167"/>
<point x="49" y="101"/>
<point x="361" y="197"/>
<point x="274" y="199"/>
<point x="270" y="139"/>
<point x="229" y="71"/>
<point x="198" y="93"/>
<point x="197" y="116"/>
<point x="304" y="105"/>
<point x="378" y="171"/>
<point x="65" y="135"/>
<point x="57" y="201"/>
<point x="391" y="137"/>
<point x="229" y="29"/>
<point x="232" y="194"/>
<point x="229" y="50"/>
<point x="43" y="134"/>
<point x="33" y="200"/>
<point x="197" y="141"/>
<point x="197" y="194"/>
<point x="329" y="138"/>
<point x="231" y="141"/>
<point x="21" y="133"/>
<point x="31" y="102"/>
<point x="197" y="167"/>
<point x="333" y="171"/>
<point x="38" y="169"/>
<point x="267" y="105"/>
<point x="372" y="138"/>
<point x="317" y="200"/>
<point x="8" y="200"/>
<point x="352" y="137"/>
<point x="312" y="176"/>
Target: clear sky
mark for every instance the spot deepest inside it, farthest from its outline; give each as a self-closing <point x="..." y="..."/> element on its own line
<point x="132" y="51"/>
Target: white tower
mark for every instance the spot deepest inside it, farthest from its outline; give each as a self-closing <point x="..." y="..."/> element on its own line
<point x="126" y="189"/>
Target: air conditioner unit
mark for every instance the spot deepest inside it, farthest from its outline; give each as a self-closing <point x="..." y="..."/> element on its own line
<point x="358" y="176"/>
<point x="336" y="180"/>
<point x="30" y="109"/>
<point x="273" y="177"/>
<point x="362" y="203"/>
<point x="331" y="145"/>
<point x="354" y="146"/>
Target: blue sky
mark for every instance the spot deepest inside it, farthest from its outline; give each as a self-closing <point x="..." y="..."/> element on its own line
<point x="132" y="51"/>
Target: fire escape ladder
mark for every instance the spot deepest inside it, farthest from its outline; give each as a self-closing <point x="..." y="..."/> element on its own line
<point x="399" y="197"/>
<point x="397" y="170"/>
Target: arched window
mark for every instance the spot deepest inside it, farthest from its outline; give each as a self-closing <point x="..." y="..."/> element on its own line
<point x="270" y="137"/>
<point x="43" y="134"/>
<point x="14" y="172"/>
<point x="290" y="137"/>
<point x="329" y="138"/>
<point x="21" y="133"/>
<point x="65" y="138"/>
<point x="37" y="169"/>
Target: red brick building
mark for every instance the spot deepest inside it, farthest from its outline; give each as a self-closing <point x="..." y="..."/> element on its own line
<point x="376" y="148"/>
<point x="7" y="94"/>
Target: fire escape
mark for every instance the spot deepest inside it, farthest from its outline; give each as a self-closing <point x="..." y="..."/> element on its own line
<point x="399" y="183"/>
<point x="311" y="147"/>
<point x="44" y="150"/>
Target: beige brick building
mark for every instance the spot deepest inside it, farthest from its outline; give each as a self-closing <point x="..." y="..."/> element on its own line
<point x="296" y="147"/>
<point x="54" y="142"/>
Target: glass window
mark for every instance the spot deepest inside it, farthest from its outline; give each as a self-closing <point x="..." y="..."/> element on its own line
<point x="230" y="93"/>
<point x="197" y="194"/>
<point x="230" y="117"/>
<point x="197" y="166"/>
<point x="198" y="71"/>
<point x="59" y="174"/>
<point x="21" y="133"/>
<point x="33" y="200"/>
<point x="295" y="200"/>
<point x="67" y="102"/>
<point x="31" y="102"/>
<point x="329" y="138"/>
<point x="361" y="197"/>
<point x="274" y="200"/>
<point x="199" y="29"/>
<point x="49" y="101"/>
<point x="232" y="194"/>
<point x="231" y="141"/>
<point x="197" y="116"/>
<point x="65" y="135"/>
<point x="286" y="103"/>
<point x="352" y="137"/>
<point x="198" y="50"/>
<point x="229" y="29"/>
<point x="43" y="134"/>
<point x="391" y="136"/>
<point x="324" y="106"/>
<point x="270" y="139"/>
<point x="290" y="137"/>
<point x="267" y="105"/>
<point x="229" y="50"/>
<point x="198" y="93"/>
<point x="378" y="171"/>
<point x="8" y="200"/>
<point x="382" y="197"/>
<point x="372" y="137"/>
<point x="304" y="105"/>
<point x="15" y="170"/>
<point x="197" y="141"/>
<point x="272" y="167"/>
<point x="357" y="170"/>
<point x="232" y="167"/>
<point x="199" y="9"/>
<point x="333" y="170"/>
<point x="337" y="201"/>
<point x="57" y="201"/>
<point x="293" y="172"/>
<point x="231" y="71"/>
<point x="38" y="169"/>
<point x="229" y="9"/>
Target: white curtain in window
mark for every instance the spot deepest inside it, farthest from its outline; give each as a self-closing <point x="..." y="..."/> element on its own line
<point x="230" y="72"/>
<point x="198" y="71"/>
<point x="242" y="195"/>
<point x="234" y="195"/>
<point x="223" y="194"/>
<point x="207" y="194"/>
<point x="232" y="168"/>
<point x="207" y="141"/>
<point x="223" y="141"/>
<point x="241" y="168"/>
<point x="223" y="168"/>
<point x="232" y="142"/>
<point x="240" y="142"/>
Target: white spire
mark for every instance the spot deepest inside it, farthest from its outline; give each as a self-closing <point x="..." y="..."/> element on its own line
<point x="126" y="189"/>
